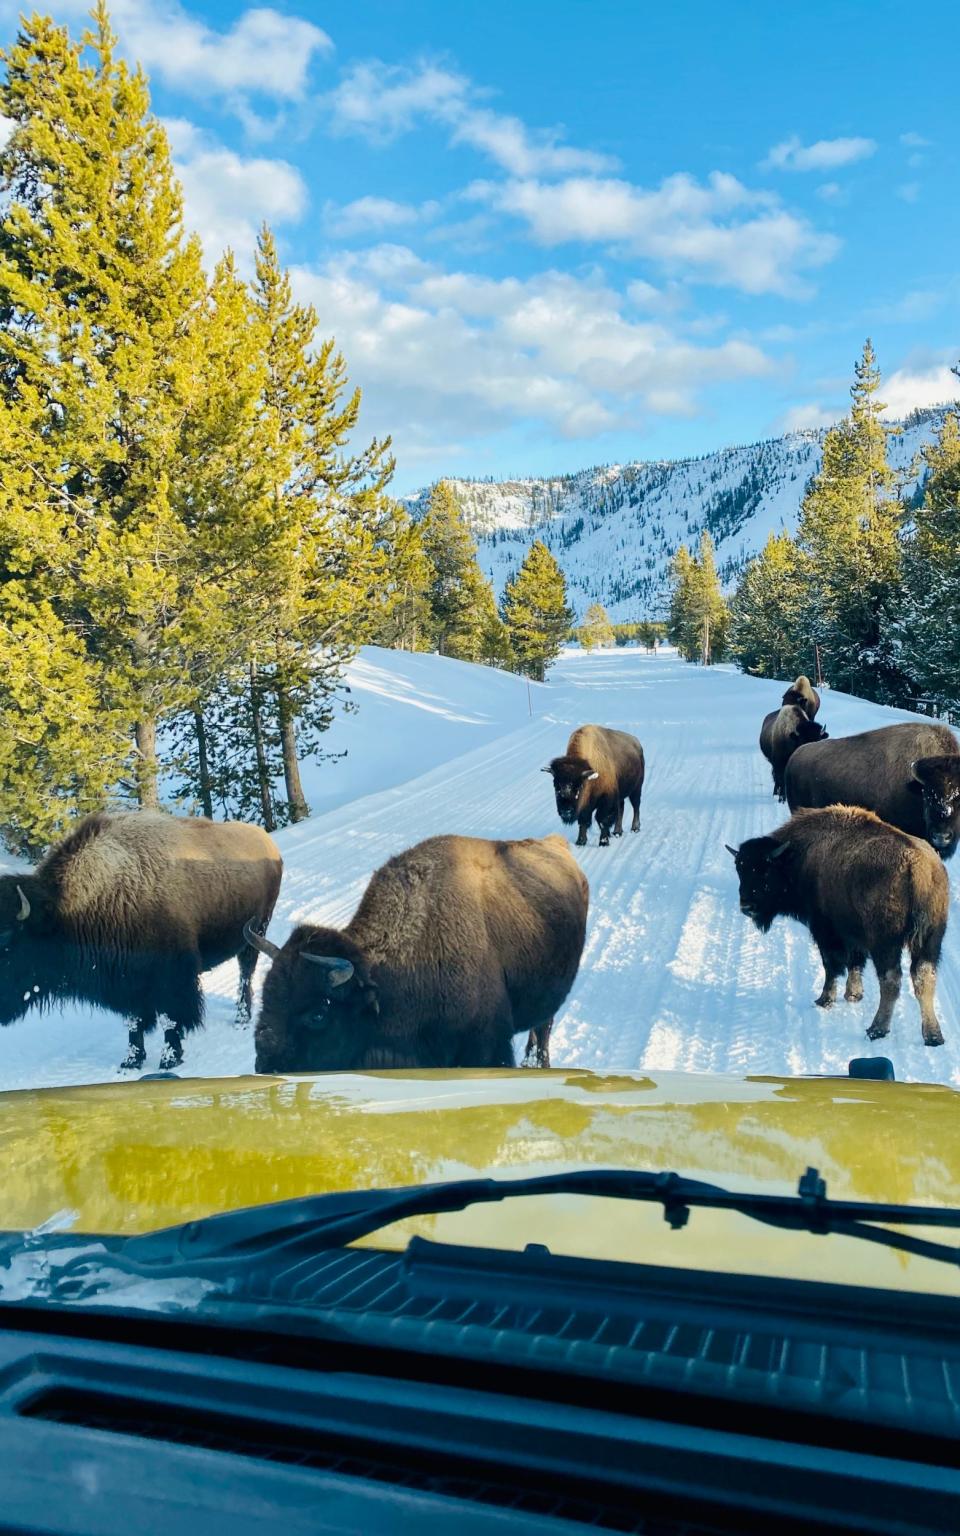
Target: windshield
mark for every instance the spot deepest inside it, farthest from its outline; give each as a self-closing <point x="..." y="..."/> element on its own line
<point x="479" y="599"/>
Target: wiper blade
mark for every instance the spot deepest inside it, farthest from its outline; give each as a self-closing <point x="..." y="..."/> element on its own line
<point x="217" y="1245"/>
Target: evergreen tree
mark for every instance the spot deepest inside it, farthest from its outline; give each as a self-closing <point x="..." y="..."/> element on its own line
<point x="457" y="590"/>
<point x="765" y="615"/>
<point x="596" y="628"/>
<point x="849" y="531"/>
<point x="931" y="625"/>
<point x="535" y="611"/>
<point x="99" y="298"/>
<point x="698" y="614"/>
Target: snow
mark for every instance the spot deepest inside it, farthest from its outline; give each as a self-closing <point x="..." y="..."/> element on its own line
<point x="614" y="529"/>
<point x="673" y="976"/>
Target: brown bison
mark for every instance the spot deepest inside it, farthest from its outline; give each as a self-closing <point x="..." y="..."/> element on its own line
<point x="909" y="774"/>
<point x="783" y="731"/>
<point x="802" y="692"/>
<point x="598" y="772"/>
<point x="457" y="945"/>
<point x="862" y="888"/>
<point x="127" y="911"/>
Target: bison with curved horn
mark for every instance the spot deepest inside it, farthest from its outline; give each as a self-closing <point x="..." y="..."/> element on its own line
<point x="457" y="945"/>
<point x="600" y="770"/>
<point x="127" y="911"/>
<point x="909" y="774"/>
<point x="862" y="888"/>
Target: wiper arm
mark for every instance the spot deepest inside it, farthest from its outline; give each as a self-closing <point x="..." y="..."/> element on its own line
<point x="214" y="1245"/>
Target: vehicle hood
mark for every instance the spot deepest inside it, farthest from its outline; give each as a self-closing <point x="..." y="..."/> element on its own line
<point x="133" y="1157"/>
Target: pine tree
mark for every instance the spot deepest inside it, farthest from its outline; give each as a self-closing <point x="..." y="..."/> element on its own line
<point x="931" y="625"/>
<point x="596" y="628"/>
<point x="698" y="614"/>
<point x="340" y="521"/>
<point x="850" y="531"/>
<point x="457" y="590"/>
<point x="99" y="295"/>
<point x="535" y="611"/>
<point x="765" y="614"/>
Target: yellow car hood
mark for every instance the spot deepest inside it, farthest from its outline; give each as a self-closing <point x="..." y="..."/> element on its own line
<point x="131" y="1157"/>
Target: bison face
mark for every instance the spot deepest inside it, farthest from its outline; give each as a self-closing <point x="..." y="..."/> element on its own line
<point x="763" y="879"/>
<point x="809" y="730"/>
<point x="318" y="1007"/>
<point x="937" y="779"/>
<point x="570" y="775"/>
<point x="23" y="969"/>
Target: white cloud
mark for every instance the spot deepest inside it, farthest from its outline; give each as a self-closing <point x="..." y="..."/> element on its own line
<point x="831" y="192"/>
<point x="228" y="196"/>
<point x="912" y="387"/>
<point x="719" y="231"/>
<point x="370" y="215"/>
<point x="446" y="356"/>
<point x="915" y="140"/>
<point x="807" y="418"/>
<point x="381" y="101"/>
<point x="824" y="155"/>
<point x="909" y="191"/>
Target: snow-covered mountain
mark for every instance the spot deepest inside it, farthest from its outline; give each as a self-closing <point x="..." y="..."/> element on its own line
<point x="614" y="528"/>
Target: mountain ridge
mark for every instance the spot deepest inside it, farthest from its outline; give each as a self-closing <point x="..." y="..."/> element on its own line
<point x="614" y="528"/>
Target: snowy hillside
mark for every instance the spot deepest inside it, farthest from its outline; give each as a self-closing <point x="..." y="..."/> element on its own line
<point x="613" y="529"/>
<point x="673" y="976"/>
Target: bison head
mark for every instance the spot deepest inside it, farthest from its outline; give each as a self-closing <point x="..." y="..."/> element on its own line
<point x="808" y="730"/>
<point x="763" y="878"/>
<point x="319" y="1004"/>
<point x="23" y="913"/>
<point x="937" y="779"/>
<point x="570" y="776"/>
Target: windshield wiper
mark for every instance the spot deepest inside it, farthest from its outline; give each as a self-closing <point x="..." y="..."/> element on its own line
<point x="215" y="1245"/>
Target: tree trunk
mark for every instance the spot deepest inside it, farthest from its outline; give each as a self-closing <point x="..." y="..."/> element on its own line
<point x="206" y="790"/>
<point x="296" y="800"/>
<point x="263" y="775"/>
<point x="145" y="734"/>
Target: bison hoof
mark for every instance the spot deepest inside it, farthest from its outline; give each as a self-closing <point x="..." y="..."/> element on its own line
<point x="170" y="1056"/>
<point x="581" y="842"/>
<point x="933" y="1036"/>
<point x="877" y="1031"/>
<point x="133" y="1060"/>
<point x="825" y="1000"/>
<point x="618" y="831"/>
<point x="604" y="842"/>
<point x="853" y="995"/>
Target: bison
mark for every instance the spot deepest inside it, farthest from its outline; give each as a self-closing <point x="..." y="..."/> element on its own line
<point x="909" y="774"/>
<point x="802" y="692"/>
<point x="127" y="911"/>
<point x="457" y="945"/>
<point x="598" y="772"/>
<point x="783" y="731"/>
<point x="862" y="888"/>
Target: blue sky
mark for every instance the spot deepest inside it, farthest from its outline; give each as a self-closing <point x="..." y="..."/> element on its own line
<point x="548" y="235"/>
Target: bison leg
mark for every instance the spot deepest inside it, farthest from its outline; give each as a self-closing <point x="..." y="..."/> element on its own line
<point x="172" y="1053"/>
<point x="582" y="834"/>
<point x="247" y="961"/>
<point x="923" y="974"/>
<point x="136" y="1054"/>
<point x="635" y="802"/>
<point x="853" y="991"/>
<point x="618" y="825"/>
<point x="538" y="1046"/>
<point x="831" y="970"/>
<point x="887" y="964"/>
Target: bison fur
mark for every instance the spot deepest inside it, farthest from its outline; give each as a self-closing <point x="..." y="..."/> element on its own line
<point x="862" y="888"/>
<point x="600" y="770"/>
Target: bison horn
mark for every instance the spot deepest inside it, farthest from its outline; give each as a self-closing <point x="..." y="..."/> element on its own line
<point x="257" y="941"/>
<point x="24" y="912"/>
<point x="779" y="851"/>
<point x="546" y="770"/>
<point x="732" y="851"/>
<point x="338" y="971"/>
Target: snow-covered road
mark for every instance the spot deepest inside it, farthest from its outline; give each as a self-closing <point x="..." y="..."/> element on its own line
<point x="673" y="976"/>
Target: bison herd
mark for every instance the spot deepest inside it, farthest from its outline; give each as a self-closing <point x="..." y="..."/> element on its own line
<point x="461" y="943"/>
<point x="856" y="862"/>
